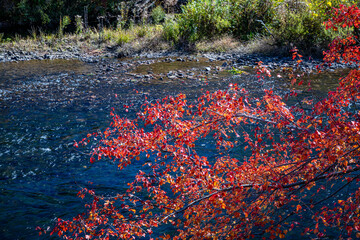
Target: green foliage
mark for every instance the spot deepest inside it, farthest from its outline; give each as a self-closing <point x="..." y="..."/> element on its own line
<point x="108" y="34"/>
<point x="122" y="17"/>
<point x="209" y="18"/>
<point x="33" y="12"/>
<point x="247" y="15"/>
<point x="171" y="30"/>
<point x="236" y="71"/>
<point x="158" y="14"/>
<point x="296" y="24"/>
<point x="123" y="37"/>
<point x="46" y="13"/>
<point x="323" y="8"/>
<point x="79" y="24"/>
<point x="290" y="22"/>
<point x="203" y="18"/>
<point x="64" y="22"/>
<point x="142" y="31"/>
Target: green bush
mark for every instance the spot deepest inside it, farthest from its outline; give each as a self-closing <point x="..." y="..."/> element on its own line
<point x="158" y="15"/>
<point x="297" y="25"/>
<point x="171" y="30"/>
<point x="123" y="37"/>
<point x="64" y="22"/>
<point x="79" y="24"/>
<point x="141" y="31"/>
<point x="203" y="19"/>
<point x="248" y="17"/>
<point x="210" y="18"/>
<point x="291" y="22"/>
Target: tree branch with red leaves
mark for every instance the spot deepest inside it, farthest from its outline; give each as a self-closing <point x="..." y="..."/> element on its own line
<point x="275" y="166"/>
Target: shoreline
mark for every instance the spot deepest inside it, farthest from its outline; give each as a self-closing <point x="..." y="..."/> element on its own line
<point x="92" y="53"/>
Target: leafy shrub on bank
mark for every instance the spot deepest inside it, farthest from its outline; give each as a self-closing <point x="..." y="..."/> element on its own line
<point x="300" y="23"/>
<point x="123" y="37"/>
<point x="171" y="30"/>
<point x="248" y="17"/>
<point x="290" y="22"/>
<point x="203" y="19"/>
<point x="158" y="15"/>
<point x="298" y="26"/>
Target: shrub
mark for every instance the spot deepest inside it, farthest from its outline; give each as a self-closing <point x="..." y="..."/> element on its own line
<point x="204" y="19"/>
<point x="298" y="25"/>
<point x="247" y="15"/>
<point x="301" y="23"/>
<point x="158" y="15"/>
<point x="79" y="24"/>
<point x="123" y="37"/>
<point x="141" y="31"/>
<point x="171" y="30"/>
<point x="109" y="34"/>
<point x="64" y="22"/>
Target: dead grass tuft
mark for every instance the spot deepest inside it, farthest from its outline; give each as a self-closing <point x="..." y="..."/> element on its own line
<point x="219" y="45"/>
<point x="263" y="45"/>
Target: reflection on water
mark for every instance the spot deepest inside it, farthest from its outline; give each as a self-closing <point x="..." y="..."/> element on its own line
<point x="45" y="106"/>
<point x="165" y="65"/>
<point x="323" y="82"/>
<point x="26" y="69"/>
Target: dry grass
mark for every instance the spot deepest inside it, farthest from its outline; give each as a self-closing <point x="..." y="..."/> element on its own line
<point x="51" y="43"/>
<point x="147" y="38"/>
<point x="269" y="46"/>
<point x="223" y="44"/>
<point x="264" y="45"/>
<point x="126" y="42"/>
<point x="138" y="38"/>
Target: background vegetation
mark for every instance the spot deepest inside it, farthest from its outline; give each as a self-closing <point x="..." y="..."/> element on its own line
<point x="286" y="23"/>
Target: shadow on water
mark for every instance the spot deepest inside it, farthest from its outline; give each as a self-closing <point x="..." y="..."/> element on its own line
<point x="46" y="105"/>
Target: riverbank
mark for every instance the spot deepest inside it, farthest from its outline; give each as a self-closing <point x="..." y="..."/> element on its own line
<point x="89" y="49"/>
<point x="139" y="41"/>
<point x="219" y="55"/>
